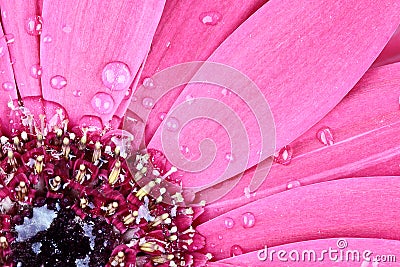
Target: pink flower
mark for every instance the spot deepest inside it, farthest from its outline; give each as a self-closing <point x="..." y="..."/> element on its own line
<point x="103" y="164"/>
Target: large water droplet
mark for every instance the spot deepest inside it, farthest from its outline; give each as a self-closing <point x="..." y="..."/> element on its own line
<point x="36" y="71"/>
<point x="47" y="39"/>
<point x="34" y="25"/>
<point x="229" y="223"/>
<point x="236" y="250"/>
<point x="172" y="124"/>
<point x="102" y="103"/>
<point x="148" y="83"/>
<point x="58" y="82"/>
<point x="148" y="102"/>
<point x="210" y="18"/>
<point x="8" y="86"/>
<point x="284" y="155"/>
<point x="293" y="184"/>
<point x="325" y="136"/>
<point x="248" y="220"/>
<point x="116" y="76"/>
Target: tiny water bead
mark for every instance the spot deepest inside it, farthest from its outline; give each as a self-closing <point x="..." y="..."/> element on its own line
<point x="36" y="71"/>
<point x="172" y="124"/>
<point x="210" y="18"/>
<point x="293" y="184"/>
<point x="47" y="39"/>
<point x="284" y="155"/>
<point x="148" y="83"/>
<point x="236" y="250"/>
<point x="116" y="76"/>
<point x="34" y="25"/>
<point x="67" y="29"/>
<point x="58" y="82"/>
<point x="10" y="38"/>
<point x="229" y="157"/>
<point x="148" y="102"/>
<point x="102" y="103"/>
<point x="325" y="136"/>
<point x="248" y="220"/>
<point x="162" y="115"/>
<point x="189" y="99"/>
<point x="8" y="86"/>
<point x="77" y="93"/>
<point x="229" y="223"/>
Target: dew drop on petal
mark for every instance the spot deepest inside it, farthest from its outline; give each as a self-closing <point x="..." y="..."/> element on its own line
<point x="148" y="83"/>
<point x="128" y="93"/>
<point x="220" y="237"/>
<point x="172" y="124"/>
<point x="229" y="157"/>
<point x="36" y="71"/>
<point x="116" y="76"/>
<point x="8" y="86"/>
<point x="185" y="150"/>
<point x="248" y="220"/>
<point x="162" y="115"/>
<point x="47" y="39"/>
<point x="3" y="50"/>
<point x="34" y="25"/>
<point x="325" y="136"/>
<point x="58" y="82"/>
<point x="284" y="155"/>
<point x="236" y="250"/>
<point x="229" y="223"/>
<point x="189" y="99"/>
<point x="210" y="18"/>
<point x="102" y="103"/>
<point x="148" y="102"/>
<point x="293" y="184"/>
<point x="67" y="29"/>
<point x="224" y="92"/>
<point x="77" y="93"/>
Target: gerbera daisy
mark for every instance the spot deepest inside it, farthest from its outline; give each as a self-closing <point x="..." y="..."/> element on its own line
<point x="89" y="177"/>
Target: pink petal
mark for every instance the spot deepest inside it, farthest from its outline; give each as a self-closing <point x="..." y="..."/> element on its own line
<point x="365" y="126"/>
<point x="182" y="36"/>
<point x="304" y="67"/>
<point x="356" y="207"/>
<point x="85" y="37"/>
<point x="379" y="248"/>
<point x="391" y="53"/>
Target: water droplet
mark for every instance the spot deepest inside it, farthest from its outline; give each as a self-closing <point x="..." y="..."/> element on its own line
<point x="185" y="150"/>
<point x="36" y="71"/>
<point x="162" y="115"/>
<point x="189" y="99"/>
<point x="148" y="102"/>
<point x="148" y="83"/>
<point x="102" y="103"/>
<point x="229" y="157"/>
<point x="58" y="82"/>
<point x="293" y="184"/>
<point x="229" y="223"/>
<point x="116" y="76"/>
<point x="224" y="92"/>
<point x="10" y="38"/>
<point x="284" y="155"/>
<point x="8" y="86"/>
<point x="77" y="93"/>
<point x="220" y="237"/>
<point x="213" y="245"/>
<point x="34" y="25"/>
<point x="247" y="192"/>
<point x="248" y="220"/>
<point x="210" y="18"/>
<point x="325" y="136"/>
<point x="67" y="29"/>
<point x="168" y="44"/>
<point x="172" y="124"/>
<point x="236" y="250"/>
<point x="47" y="39"/>
<point x="128" y="93"/>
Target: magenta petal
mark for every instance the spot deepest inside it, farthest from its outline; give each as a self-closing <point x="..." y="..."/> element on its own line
<point x="304" y="56"/>
<point x="22" y="21"/>
<point x="391" y="53"/>
<point x="356" y="207"/>
<point x="364" y="127"/>
<point x="184" y="34"/>
<point x="380" y="249"/>
<point x="91" y="52"/>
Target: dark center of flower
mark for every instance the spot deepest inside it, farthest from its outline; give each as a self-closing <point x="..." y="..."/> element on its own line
<point x="81" y="198"/>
